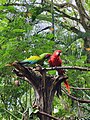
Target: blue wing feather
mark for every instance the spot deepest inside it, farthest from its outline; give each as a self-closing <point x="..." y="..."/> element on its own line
<point x="31" y="60"/>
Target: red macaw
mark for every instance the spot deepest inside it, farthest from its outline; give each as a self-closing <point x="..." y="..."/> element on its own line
<point x="55" y="60"/>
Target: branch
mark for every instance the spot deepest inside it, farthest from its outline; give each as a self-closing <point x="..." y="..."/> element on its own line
<point x="58" y="81"/>
<point x="33" y="77"/>
<point x="56" y="86"/>
<point x="48" y="115"/>
<point x="14" y="4"/>
<point x="63" y="5"/>
<point x="84" y="107"/>
<point x="18" y="73"/>
<point x="48" y="27"/>
<point x="81" y="9"/>
<point x="75" y="30"/>
<point x="67" y="67"/>
<point x="81" y="13"/>
<point x="67" y="16"/>
<point x="19" y="4"/>
<point x="74" y="98"/>
<point x="79" y="88"/>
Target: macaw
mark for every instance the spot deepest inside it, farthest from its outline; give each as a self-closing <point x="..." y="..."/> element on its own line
<point x="36" y="59"/>
<point x="55" y="60"/>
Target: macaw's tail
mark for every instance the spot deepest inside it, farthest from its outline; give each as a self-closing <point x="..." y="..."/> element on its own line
<point x="24" y="62"/>
<point x="67" y="86"/>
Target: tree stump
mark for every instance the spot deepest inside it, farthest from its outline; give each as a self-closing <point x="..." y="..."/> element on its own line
<point x="44" y="85"/>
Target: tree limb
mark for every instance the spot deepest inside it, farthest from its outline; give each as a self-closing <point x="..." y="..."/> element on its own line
<point x="73" y="29"/>
<point x="81" y="13"/>
<point x="67" y="67"/>
<point x="63" y="5"/>
<point x="66" y="15"/>
<point x="33" y="77"/>
<point x="48" y="27"/>
<point x="81" y="9"/>
<point x="14" y="4"/>
<point x="79" y="88"/>
<point x="75" y="98"/>
<point x="48" y="115"/>
<point x="19" y="4"/>
<point x="56" y="86"/>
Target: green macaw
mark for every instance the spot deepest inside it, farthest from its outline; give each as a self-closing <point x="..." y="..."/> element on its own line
<point x="36" y="59"/>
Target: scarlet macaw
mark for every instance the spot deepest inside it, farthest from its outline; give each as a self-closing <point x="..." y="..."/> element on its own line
<point x="36" y="59"/>
<point x="55" y="60"/>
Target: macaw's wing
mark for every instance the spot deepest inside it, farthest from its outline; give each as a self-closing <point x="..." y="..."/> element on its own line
<point x="31" y="60"/>
<point x="45" y="55"/>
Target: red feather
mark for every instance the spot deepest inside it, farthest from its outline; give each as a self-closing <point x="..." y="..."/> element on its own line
<point x="67" y="86"/>
<point x="55" y="60"/>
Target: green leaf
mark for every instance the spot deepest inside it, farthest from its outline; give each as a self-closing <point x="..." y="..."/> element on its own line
<point x="2" y="1"/>
<point x="35" y="111"/>
<point x="18" y="30"/>
<point x="30" y="110"/>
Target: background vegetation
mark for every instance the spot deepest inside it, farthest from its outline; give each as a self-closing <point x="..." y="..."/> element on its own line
<point x="31" y="28"/>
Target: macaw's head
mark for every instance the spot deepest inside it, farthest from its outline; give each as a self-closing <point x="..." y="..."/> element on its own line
<point x="45" y="55"/>
<point x="57" y="53"/>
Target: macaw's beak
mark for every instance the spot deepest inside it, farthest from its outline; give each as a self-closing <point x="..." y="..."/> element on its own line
<point x="58" y="53"/>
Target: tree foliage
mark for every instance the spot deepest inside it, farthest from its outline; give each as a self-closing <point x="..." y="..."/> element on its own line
<point x="25" y="30"/>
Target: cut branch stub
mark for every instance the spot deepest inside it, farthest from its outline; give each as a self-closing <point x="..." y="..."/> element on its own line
<point x="57" y="84"/>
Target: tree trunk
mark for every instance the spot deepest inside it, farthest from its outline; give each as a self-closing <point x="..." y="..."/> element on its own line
<point x="44" y="98"/>
<point x="45" y="105"/>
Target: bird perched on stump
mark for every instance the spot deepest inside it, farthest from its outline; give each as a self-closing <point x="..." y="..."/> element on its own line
<point x="36" y="59"/>
<point x="55" y="60"/>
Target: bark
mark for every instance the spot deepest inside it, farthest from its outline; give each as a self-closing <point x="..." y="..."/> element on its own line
<point x="45" y="87"/>
<point x="44" y="97"/>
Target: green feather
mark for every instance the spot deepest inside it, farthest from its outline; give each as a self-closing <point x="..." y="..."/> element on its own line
<point x="36" y="59"/>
